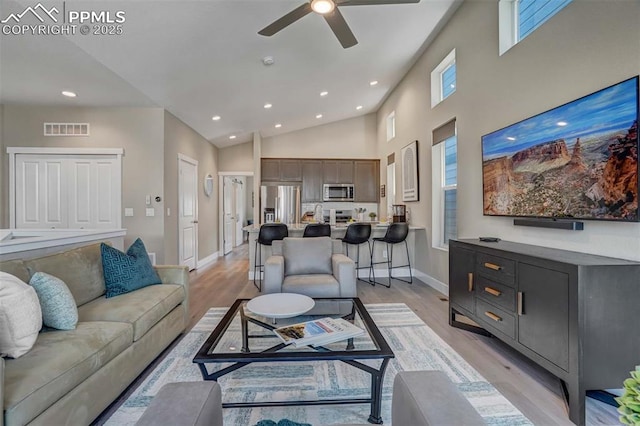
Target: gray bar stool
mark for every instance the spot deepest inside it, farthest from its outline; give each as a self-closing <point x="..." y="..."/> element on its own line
<point x="317" y="230"/>
<point x="396" y="234"/>
<point x="357" y="234"/>
<point x="269" y="232"/>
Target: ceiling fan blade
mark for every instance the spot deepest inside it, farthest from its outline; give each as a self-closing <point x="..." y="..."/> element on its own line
<point x="286" y="20"/>
<point x="373" y="2"/>
<point x="340" y="28"/>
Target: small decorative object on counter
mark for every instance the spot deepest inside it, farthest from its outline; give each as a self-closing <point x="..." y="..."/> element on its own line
<point x="372" y="217"/>
<point x="360" y="212"/>
<point x="399" y="213"/>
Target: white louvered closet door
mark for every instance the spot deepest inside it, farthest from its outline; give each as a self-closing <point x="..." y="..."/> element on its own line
<point x="76" y="192"/>
<point x="41" y="192"/>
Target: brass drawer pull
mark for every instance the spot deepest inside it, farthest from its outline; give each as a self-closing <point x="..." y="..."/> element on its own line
<point x="493" y="291"/>
<point x="493" y="316"/>
<point x="520" y="302"/>
<point x="470" y="281"/>
<point x="492" y="266"/>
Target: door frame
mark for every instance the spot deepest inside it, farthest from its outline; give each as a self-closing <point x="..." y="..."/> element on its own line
<point x="186" y="159"/>
<point x="221" y="176"/>
<point x="14" y="150"/>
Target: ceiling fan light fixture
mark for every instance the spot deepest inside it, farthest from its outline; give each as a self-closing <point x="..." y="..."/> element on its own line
<point x="322" y="6"/>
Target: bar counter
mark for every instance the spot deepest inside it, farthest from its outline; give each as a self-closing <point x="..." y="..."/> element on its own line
<point x="338" y="231"/>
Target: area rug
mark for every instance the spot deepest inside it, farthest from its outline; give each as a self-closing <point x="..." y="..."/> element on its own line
<point x="414" y="344"/>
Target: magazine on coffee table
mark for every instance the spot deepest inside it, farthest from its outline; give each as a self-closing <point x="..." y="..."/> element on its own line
<point x="318" y="332"/>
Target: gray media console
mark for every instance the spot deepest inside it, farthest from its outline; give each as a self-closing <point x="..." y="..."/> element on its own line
<point x="574" y="314"/>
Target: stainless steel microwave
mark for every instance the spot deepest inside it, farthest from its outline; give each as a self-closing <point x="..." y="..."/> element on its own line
<point x="337" y="192"/>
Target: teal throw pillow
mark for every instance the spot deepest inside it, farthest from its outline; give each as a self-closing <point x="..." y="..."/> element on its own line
<point x="126" y="272"/>
<point x="58" y="306"/>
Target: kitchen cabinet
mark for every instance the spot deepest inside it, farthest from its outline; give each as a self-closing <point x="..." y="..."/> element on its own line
<point x="279" y="170"/>
<point x="270" y="170"/>
<point x="312" y="175"/>
<point x="571" y="313"/>
<point x="337" y="171"/>
<point x="366" y="181"/>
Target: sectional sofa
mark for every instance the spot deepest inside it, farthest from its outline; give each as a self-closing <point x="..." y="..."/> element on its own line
<point x="70" y="377"/>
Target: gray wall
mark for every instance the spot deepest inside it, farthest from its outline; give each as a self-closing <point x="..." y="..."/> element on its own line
<point x="4" y="176"/>
<point x="138" y="130"/>
<point x="236" y="158"/>
<point x="182" y="139"/>
<point x="350" y="138"/>
<point x="587" y="46"/>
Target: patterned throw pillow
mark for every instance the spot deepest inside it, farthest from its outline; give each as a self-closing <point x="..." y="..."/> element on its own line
<point x="20" y="316"/>
<point x="58" y="306"/>
<point x="126" y="272"/>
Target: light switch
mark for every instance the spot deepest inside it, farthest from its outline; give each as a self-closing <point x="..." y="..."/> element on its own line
<point x="128" y="211"/>
<point x="151" y="212"/>
<point x="168" y="211"/>
<point x="147" y="200"/>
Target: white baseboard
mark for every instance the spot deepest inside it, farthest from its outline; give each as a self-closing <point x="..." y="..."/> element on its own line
<point x="432" y="282"/>
<point x="207" y="260"/>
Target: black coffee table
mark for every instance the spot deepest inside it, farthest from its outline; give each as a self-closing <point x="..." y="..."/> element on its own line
<point x="259" y="344"/>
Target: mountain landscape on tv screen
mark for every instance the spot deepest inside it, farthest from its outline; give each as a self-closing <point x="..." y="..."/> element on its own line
<point x="594" y="176"/>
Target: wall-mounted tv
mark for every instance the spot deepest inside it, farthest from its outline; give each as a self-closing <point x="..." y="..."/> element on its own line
<point x="579" y="160"/>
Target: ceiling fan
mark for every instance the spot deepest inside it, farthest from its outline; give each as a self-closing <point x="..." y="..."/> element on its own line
<point x="329" y="10"/>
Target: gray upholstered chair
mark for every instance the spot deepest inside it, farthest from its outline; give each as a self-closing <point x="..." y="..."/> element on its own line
<point x="314" y="267"/>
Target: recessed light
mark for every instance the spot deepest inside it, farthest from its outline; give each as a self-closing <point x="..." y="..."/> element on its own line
<point x="511" y="138"/>
<point x="325" y="93"/>
<point x="267" y="106"/>
<point x="277" y="126"/>
<point x="319" y="116"/>
<point x="359" y="107"/>
<point x="232" y="137"/>
<point x="68" y="94"/>
<point x="562" y="123"/>
<point x="215" y="118"/>
<point x="373" y="83"/>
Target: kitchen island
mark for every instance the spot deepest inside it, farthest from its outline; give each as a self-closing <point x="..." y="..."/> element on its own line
<point x="338" y="231"/>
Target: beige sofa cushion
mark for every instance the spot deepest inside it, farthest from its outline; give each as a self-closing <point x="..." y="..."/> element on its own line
<point x="15" y="268"/>
<point x="80" y="269"/>
<point x="59" y="361"/>
<point x="312" y="285"/>
<point x="142" y="308"/>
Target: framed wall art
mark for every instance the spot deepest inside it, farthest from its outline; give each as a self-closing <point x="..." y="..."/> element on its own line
<point x="410" y="183"/>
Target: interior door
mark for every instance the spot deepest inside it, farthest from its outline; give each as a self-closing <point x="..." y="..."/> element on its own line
<point x="188" y="211"/>
<point x="229" y="218"/>
<point x="239" y="213"/>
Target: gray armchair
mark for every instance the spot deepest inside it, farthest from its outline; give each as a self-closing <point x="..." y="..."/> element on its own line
<point x="314" y="267"/>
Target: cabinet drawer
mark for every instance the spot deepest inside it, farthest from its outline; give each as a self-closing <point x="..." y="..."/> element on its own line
<point x="497" y="294"/>
<point x="498" y="268"/>
<point x="496" y="318"/>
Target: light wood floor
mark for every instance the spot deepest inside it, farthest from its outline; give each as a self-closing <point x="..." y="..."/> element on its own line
<point x="535" y="392"/>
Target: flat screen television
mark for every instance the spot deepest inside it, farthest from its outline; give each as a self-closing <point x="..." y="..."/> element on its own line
<point x="579" y="160"/>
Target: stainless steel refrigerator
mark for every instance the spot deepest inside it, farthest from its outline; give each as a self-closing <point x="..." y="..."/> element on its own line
<point x="280" y="202"/>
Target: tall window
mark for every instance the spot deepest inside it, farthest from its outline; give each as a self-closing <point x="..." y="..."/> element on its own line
<point x="449" y="189"/>
<point x="391" y="126"/>
<point x="445" y="182"/>
<point x="443" y="79"/>
<point x="519" y="18"/>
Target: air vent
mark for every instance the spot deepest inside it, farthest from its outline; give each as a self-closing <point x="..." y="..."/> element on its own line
<point x="66" y="129"/>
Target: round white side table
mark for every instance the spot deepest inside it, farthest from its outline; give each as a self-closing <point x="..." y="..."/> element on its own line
<point x="280" y="305"/>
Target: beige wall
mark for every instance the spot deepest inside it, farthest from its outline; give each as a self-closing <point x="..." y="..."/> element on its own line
<point x="351" y="138"/>
<point x="4" y="177"/>
<point x="236" y="158"/>
<point x="138" y="130"/>
<point x="585" y="47"/>
<point x="182" y="139"/>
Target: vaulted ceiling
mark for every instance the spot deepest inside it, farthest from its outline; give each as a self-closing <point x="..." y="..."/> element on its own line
<point x="198" y="59"/>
